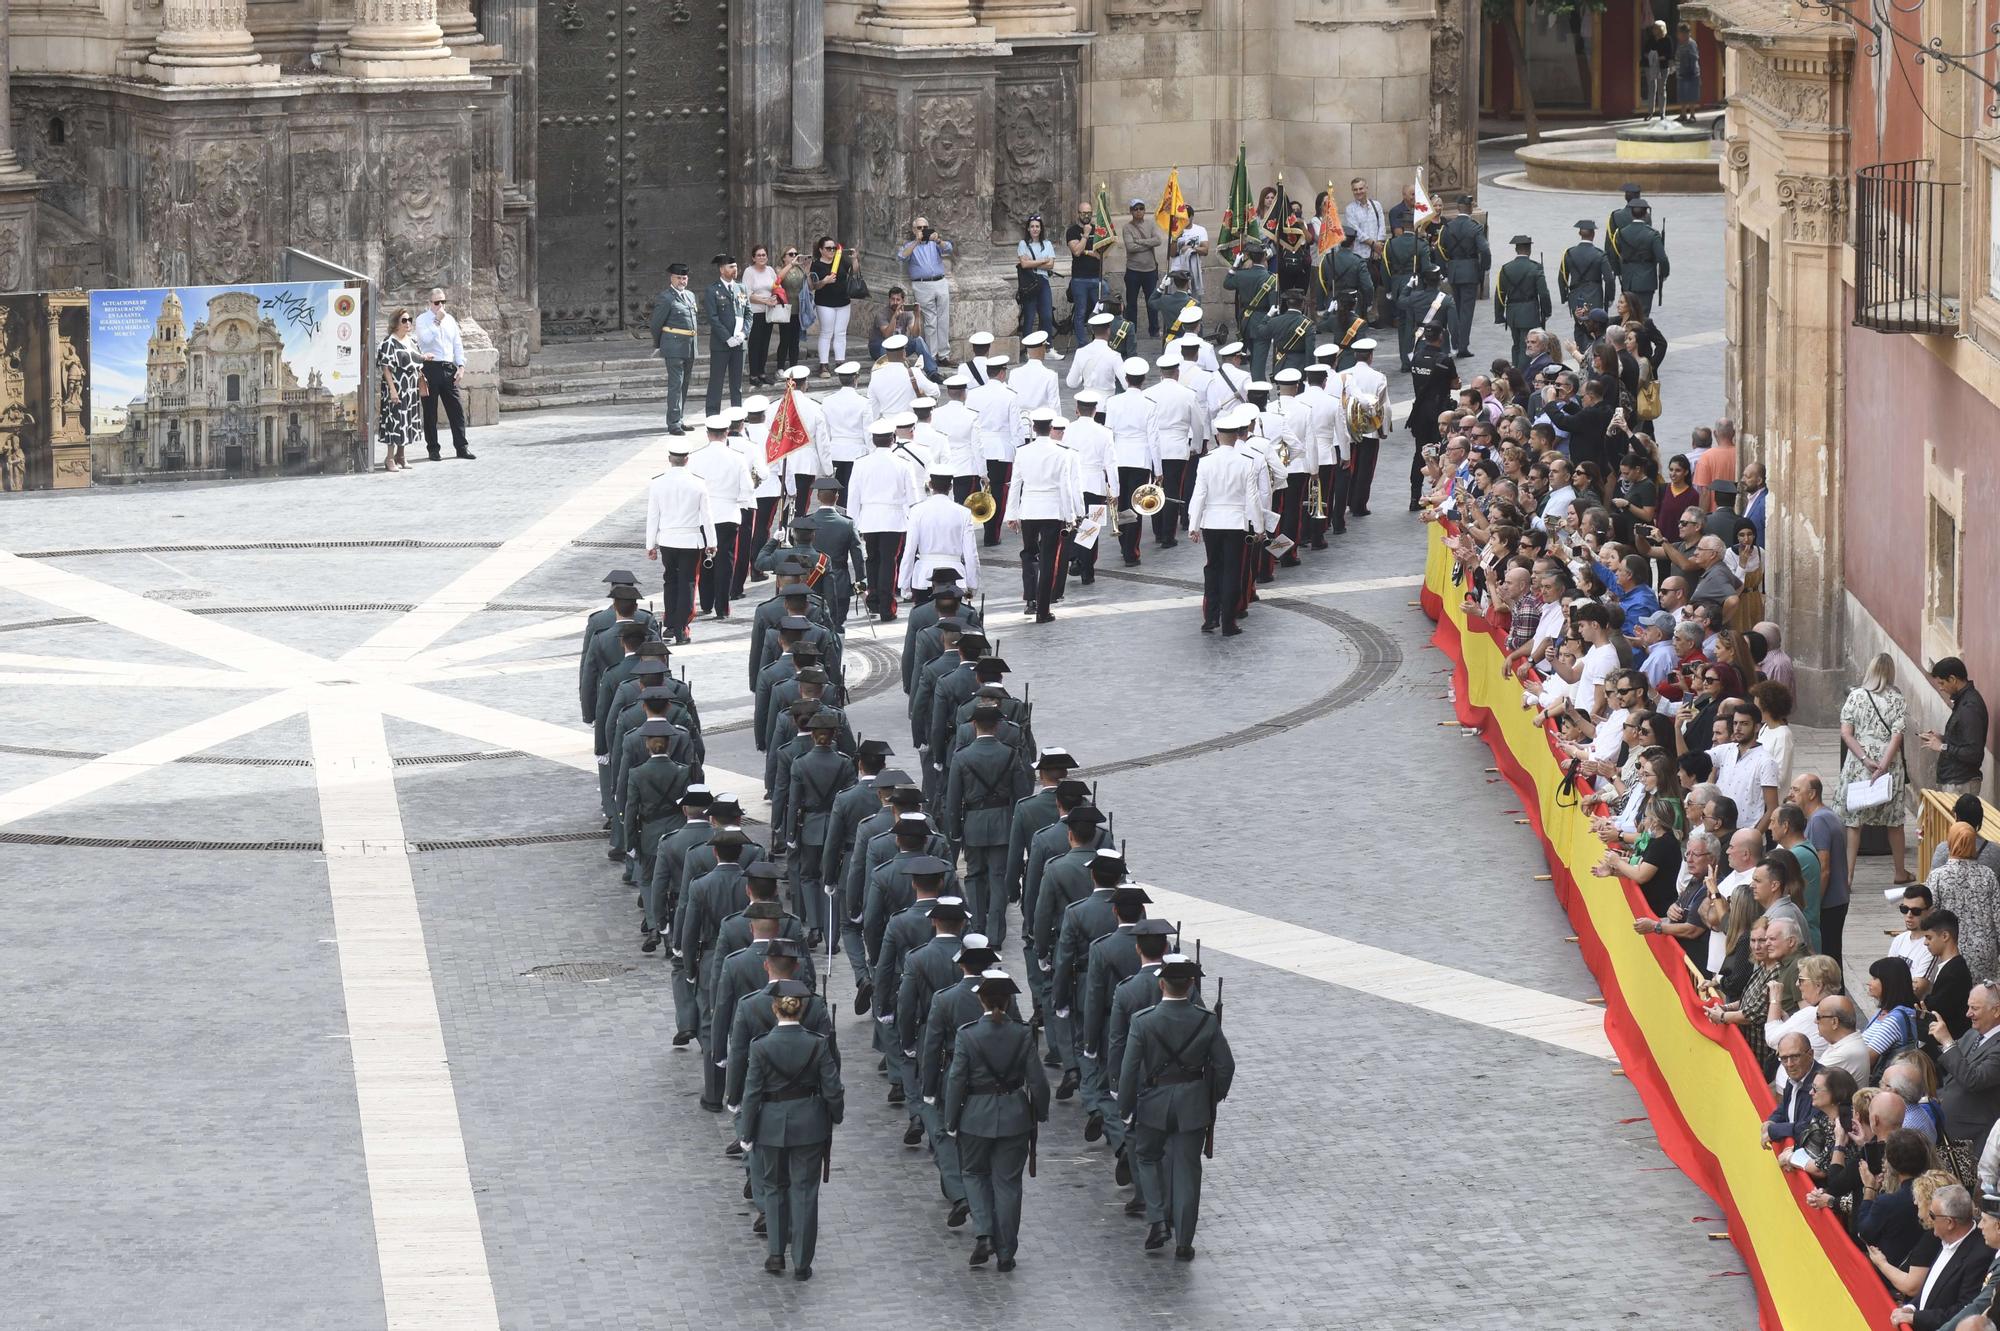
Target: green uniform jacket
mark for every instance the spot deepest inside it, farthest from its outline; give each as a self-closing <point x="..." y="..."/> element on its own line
<point x="756" y="1016"/>
<point x="1031" y="815"/>
<point x="653" y="803"/>
<point x="951" y="1009"/>
<point x="586" y="673"/>
<point x="764" y="628"/>
<point x="1461" y="243"/>
<point x="1584" y="278"/>
<point x="1521" y="294"/>
<point x="836" y="538"/>
<point x="854" y="862"/>
<point x="889" y="894"/>
<point x="1114" y="959"/>
<point x="996" y="1086"/>
<point x="788" y="1060"/>
<point x="1083" y="923"/>
<point x="907" y="932"/>
<point x="818" y="777"/>
<point x="926" y="970"/>
<point x="1621" y="217"/>
<point x="1137" y="994"/>
<point x="953" y="689"/>
<point x="1065" y="881"/>
<point x="734" y="936"/>
<point x="1642" y="259"/>
<point x="1177" y="1068"/>
<point x="979" y="797"/>
<point x="670" y="857"/>
<point x="705" y="903"/>
<point x="1045" y="848"/>
<point x="1344" y="274"/>
<point x="674" y="310"/>
<point x="921" y="624"/>
<point x="1408" y="259"/>
<point x="1253" y="285"/>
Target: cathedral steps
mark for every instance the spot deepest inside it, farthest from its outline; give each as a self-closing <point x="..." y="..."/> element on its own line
<point x="582" y="373"/>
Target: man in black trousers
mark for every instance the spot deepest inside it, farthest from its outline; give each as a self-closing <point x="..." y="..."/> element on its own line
<point x="444" y="366"/>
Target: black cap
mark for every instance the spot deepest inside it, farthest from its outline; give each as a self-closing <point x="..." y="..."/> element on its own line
<point x="911" y="821"/>
<point x="789" y="988"/>
<point x="992" y="665"/>
<point x="1522" y="240"/>
<point x="1640" y="208"/>
<point x="907" y="796"/>
<point x="763" y="910"/>
<point x="986" y="713"/>
<point x="1055" y="760"/>
<point x="1084" y="817"/>
<point x="996" y="984"/>
<point x="764" y="871"/>
<point x="623" y="591"/>
<point x="892" y="778"/>
<point x="948" y="908"/>
<point x="624" y="575"/>
<point x="724" y="802"/>
<point x="793" y="623"/>
<point x="781" y="947"/>
<point x="927" y="866"/>
<point x="695" y="797"/>
<point x="874" y="748"/>
<point x="1149" y="928"/>
<point x="1465" y="200"/>
<point x="824" y="721"/>
<point x="650" y="665"/>
<point x="1631" y="190"/>
<point x="1178" y="967"/>
<point x="1586" y="225"/>
<point x="1107" y="866"/>
<point x="805" y="522"/>
<point x="656" y="693"/>
<point x="828" y="484"/>
<point x="806" y="654"/>
<point x="1069" y="790"/>
<point x="810" y="675"/>
<point x="796" y="593"/>
<point x="943" y="574"/>
<point x="659" y="726"/>
<point x="1131" y="896"/>
<point x="993" y="690"/>
<point x="722" y="258"/>
<point x="978" y="957"/>
<point x="728" y="836"/>
<point x="677" y="270"/>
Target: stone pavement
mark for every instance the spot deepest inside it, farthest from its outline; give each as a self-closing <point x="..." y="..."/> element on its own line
<point x="189" y="997"/>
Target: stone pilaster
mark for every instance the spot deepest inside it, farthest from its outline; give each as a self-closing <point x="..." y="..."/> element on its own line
<point x="18" y="188"/>
<point x="1027" y="18"/>
<point x="1452" y="163"/>
<point x="396" y="39"/>
<point x="925" y="23"/>
<point x="460" y="27"/>
<point x="207" y="42"/>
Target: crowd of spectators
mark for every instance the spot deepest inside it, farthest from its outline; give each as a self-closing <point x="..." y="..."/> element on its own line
<point x="1630" y="604"/>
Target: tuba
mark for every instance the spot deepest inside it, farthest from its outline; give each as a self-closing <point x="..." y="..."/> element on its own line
<point x="1148" y="499"/>
<point x="980" y="503"/>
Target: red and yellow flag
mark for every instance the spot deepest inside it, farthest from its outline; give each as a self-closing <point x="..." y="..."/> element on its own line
<point x="1331" y="233"/>
<point x="1168" y="215"/>
<point x="788" y="429"/>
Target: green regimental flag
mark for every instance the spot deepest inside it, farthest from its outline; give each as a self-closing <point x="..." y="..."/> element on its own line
<point x="1101" y="232"/>
<point x="1240" y="224"/>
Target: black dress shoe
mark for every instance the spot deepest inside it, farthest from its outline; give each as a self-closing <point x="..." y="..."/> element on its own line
<point x="959" y="1212"/>
<point x="1231" y="631"/>
<point x="914" y="1134"/>
<point x="895" y="1095"/>
<point x="1207" y="626"/>
<point x="775" y="1264"/>
<point x="862" y="993"/>
<point x="1132" y="561"/>
<point x="466" y="455"/>
<point x="435" y="455"/>
<point x="1067" y="1086"/>
<point x="1359" y="512"/>
<point x="1051" y="1061"/>
<point x="746" y="1189"/>
<point x="1004" y="1264"/>
<point x="614" y="855"/>
<point x="803" y="1273"/>
<point x="1122" y="1175"/>
<point x="1318" y="545"/>
<point x="652" y="942"/>
<point x="712" y="1108"/>
<point x="813" y="940"/>
<point x="682" y="1039"/>
<point x="1093" y="1127"/>
<point x="1157" y="1235"/>
<point x="1045" y="618"/>
<point x="761" y="1226"/>
<point x="982" y="1248"/>
<point x="1136" y="1207"/>
<point x="1184" y="1253"/>
<point x="1415" y="506"/>
<point x="734" y="1150"/>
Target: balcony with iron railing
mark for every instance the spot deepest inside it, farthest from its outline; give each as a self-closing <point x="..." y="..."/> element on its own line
<point x="1906" y="269"/>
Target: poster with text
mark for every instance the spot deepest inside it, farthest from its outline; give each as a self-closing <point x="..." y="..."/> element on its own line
<point x="257" y="379"/>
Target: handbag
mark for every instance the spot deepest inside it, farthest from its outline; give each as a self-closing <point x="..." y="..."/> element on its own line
<point x="779" y="311"/>
<point x="1649" y="400"/>
<point x="857" y="285"/>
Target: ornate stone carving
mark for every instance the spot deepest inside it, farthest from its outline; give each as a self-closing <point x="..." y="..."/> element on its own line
<point x="13" y="263"/>
<point x="1796" y="96"/>
<point x="1169" y="15"/>
<point x="319" y="197"/>
<point x="877" y="188"/>
<point x="1025" y="171"/>
<point x="1815" y="208"/>
<point x="507" y="261"/>
<point x="1737" y="153"/>
<point x="947" y="134"/>
<point x="1452" y="82"/>
<point x="229" y="196"/>
<point x="420" y="247"/>
<point x="162" y="259"/>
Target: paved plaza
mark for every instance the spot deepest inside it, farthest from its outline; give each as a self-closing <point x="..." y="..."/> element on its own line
<point x="325" y="1009"/>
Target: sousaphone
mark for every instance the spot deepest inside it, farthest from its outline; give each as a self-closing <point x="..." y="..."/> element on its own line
<point x="980" y="503"/>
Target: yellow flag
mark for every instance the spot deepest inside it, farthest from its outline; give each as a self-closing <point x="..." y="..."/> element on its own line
<point x="1169" y="214"/>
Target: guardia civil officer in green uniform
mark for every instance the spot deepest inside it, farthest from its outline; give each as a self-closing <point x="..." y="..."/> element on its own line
<point x="1284" y="337"/>
<point x="792" y="1101"/>
<point x="1345" y="282"/>
<point x="1177" y="1069"/>
<point x="1253" y="285"/>
<point x="834" y="536"/>
<point x="624" y="605"/>
<point x="1521" y="296"/>
<point x="1084" y="922"/>
<point x="986" y="779"/>
<point x="995" y="1095"/>
<point x="921" y="640"/>
<point x="1032" y="813"/>
<point x="1133" y="995"/>
<point x="1584" y="280"/>
<point x="673" y="338"/>
<point x="1461" y="244"/>
<point x="951" y="1008"/>
<point x="1413" y="277"/>
<point x="653" y="793"/>
<point x="797" y="545"/>
<point x="818" y="776"/>
<point x="1642" y="258"/>
<point x="1621" y="217"/>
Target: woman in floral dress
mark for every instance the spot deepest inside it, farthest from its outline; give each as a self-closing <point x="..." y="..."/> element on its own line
<point x="402" y="369"/>
<point x="1871" y="732"/>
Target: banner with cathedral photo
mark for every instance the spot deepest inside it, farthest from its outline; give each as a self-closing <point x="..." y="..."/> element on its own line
<point x="255" y="379"/>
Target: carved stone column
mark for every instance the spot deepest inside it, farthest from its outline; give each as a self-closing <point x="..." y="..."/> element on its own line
<point x="924" y="23"/>
<point x="1027" y="18"/>
<point x="17" y="189"/>
<point x="805" y="196"/>
<point x="207" y="42"/>
<point x="461" y="31"/>
<point x="1452" y="167"/>
<point x="397" y="39"/>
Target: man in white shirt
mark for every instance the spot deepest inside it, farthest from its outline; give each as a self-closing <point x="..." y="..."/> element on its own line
<point x="1044" y="497"/>
<point x="1180" y="422"/>
<point x="999" y="411"/>
<point x="934" y="443"/>
<point x="1600" y="658"/>
<point x="981" y="343"/>
<point x="1326" y="427"/>
<point x="678" y="524"/>
<point x="1223" y="512"/>
<point x="1034" y="383"/>
<point x="1561" y="496"/>
<point x="1370" y="387"/>
<point x="894" y="382"/>
<point x="959" y="425"/>
<point x="847" y="418"/>
<point x="1189" y="324"/>
<point x="1194" y="376"/>
<point x="443" y="351"/>
<point x="1189" y="245"/>
<point x="750" y="428"/>
<point x="880" y="492"/>
<point x="1096" y="365"/>
<point x="725" y="474"/>
<point x="1135" y="445"/>
<point x="940" y="536"/>
<point x="1744" y="770"/>
<point x="1231" y="385"/>
<point x="1089" y="443"/>
<point x="914" y="455"/>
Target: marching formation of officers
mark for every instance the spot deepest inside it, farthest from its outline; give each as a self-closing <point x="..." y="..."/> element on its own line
<point x="913" y="876"/>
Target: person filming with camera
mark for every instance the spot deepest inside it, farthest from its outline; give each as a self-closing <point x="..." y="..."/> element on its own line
<point x="923" y="256"/>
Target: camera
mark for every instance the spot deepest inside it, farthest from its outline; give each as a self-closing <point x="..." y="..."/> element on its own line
<point x="929" y="232"/>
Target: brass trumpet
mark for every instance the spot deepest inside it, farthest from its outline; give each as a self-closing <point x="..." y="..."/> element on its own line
<point x="980" y="503"/>
<point x="1315" y="500"/>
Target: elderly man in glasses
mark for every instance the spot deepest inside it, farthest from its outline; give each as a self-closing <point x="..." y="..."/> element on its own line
<point x="444" y="366"/>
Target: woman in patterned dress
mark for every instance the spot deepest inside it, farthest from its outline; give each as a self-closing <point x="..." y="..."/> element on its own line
<point x="402" y="367"/>
<point x="1871" y="731"/>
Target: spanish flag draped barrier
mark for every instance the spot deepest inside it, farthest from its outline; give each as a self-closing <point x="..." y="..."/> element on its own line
<point x="1702" y="1090"/>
